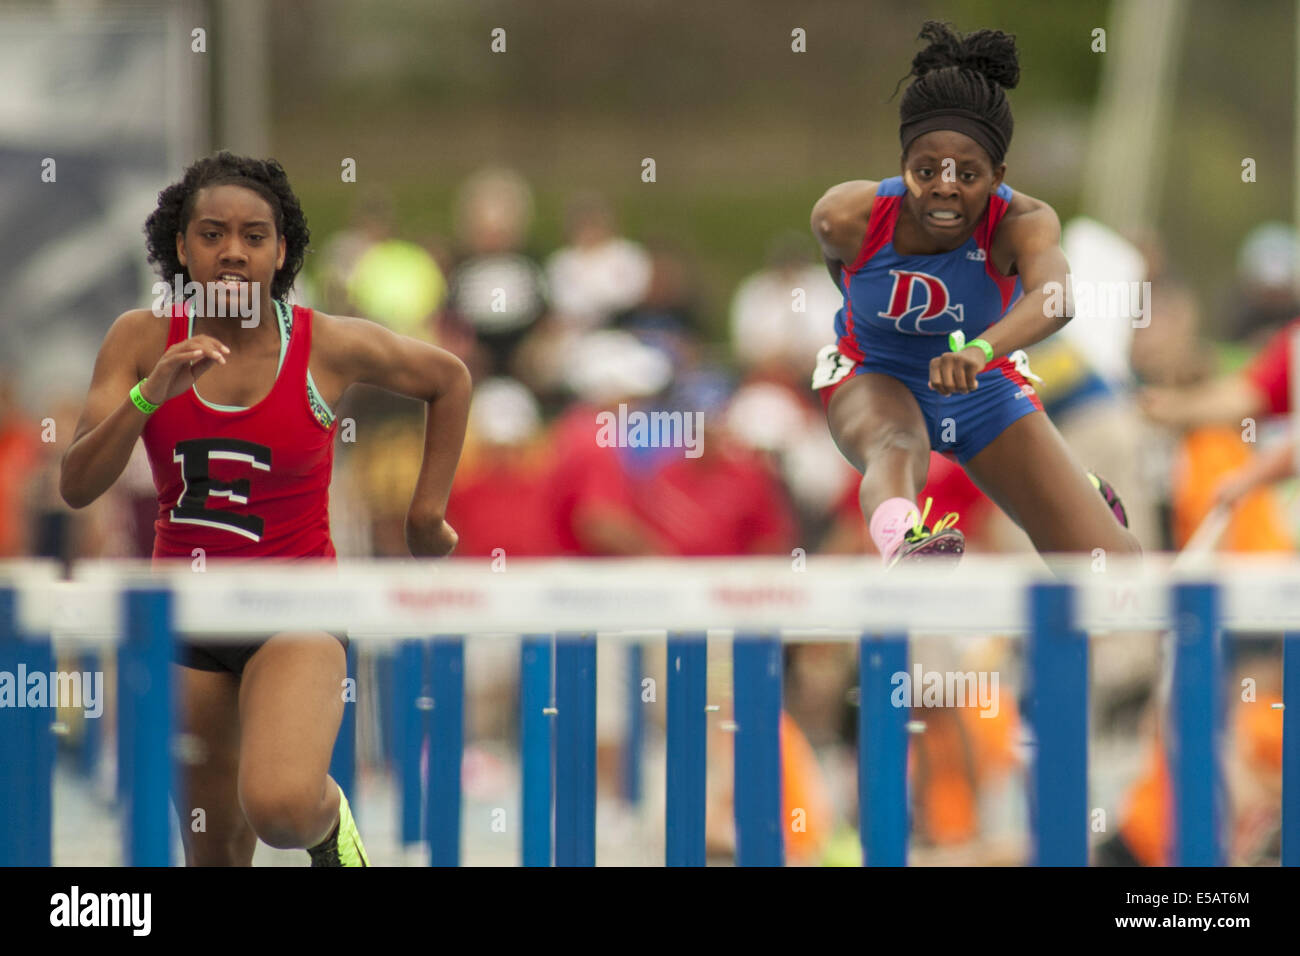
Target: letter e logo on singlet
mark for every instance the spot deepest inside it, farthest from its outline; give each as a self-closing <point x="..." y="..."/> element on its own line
<point x="194" y="457"/>
<point x="934" y="314"/>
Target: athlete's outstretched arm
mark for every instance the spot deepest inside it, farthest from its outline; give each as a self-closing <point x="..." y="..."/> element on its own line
<point x="373" y="355"/>
<point x="1222" y="401"/>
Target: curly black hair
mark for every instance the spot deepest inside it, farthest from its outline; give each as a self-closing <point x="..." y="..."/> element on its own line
<point x="967" y="72"/>
<point x="266" y="177"/>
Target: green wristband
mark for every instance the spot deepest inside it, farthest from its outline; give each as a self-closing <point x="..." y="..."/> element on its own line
<point x="140" y="401"/>
<point x="957" y="342"/>
<point x="985" y="347"/>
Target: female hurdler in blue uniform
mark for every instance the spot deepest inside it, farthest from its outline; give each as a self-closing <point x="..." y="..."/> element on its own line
<point x="948" y="248"/>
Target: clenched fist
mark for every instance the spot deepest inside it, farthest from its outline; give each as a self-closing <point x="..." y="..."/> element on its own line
<point x="429" y="536"/>
<point x="953" y="373"/>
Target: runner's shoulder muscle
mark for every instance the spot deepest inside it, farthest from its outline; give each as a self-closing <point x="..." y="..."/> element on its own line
<point x="840" y="218"/>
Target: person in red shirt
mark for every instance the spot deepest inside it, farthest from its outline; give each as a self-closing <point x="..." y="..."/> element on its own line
<point x="591" y="494"/>
<point x="1262" y="388"/>
<point x="725" y="502"/>
<point x="500" y="505"/>
<point x="590" y="487"/>
<point x="20" y="456"/>
<point x="1270" y="375"/>
<point x="1270" y="371"/>
<point x="242" y="472"/>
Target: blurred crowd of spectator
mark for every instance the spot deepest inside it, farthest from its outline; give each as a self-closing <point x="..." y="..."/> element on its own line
<point x="553" y="339"/>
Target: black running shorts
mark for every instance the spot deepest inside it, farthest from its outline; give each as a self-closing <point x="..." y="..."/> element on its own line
<point x="214" y="656"/>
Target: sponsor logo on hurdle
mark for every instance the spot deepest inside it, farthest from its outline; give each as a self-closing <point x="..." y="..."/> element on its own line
<point x="596" y="599"/>
<point x="424" y="599"/>
<point x="84" y="689"/>
<point x="738" y="596"/>
<point x="946" y="689"/>
<point x="75" y="908"/>
<point x="651" y="430"/>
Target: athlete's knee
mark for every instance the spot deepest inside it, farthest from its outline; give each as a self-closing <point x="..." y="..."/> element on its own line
<point x="1129" y="546"/>
<point x="890" y="440"/>
<point x="282" y="814"/>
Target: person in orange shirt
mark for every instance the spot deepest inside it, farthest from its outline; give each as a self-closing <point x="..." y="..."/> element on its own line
<point x="1215" y="465"/>
<point x="1254" y="772"/>
<point x="806" y="804"/>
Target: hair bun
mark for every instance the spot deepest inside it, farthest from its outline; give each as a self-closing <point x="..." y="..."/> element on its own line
<point x="991" y="53"/>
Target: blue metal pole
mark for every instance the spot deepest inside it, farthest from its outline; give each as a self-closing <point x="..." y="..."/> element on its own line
<point x="410" y="730"/>
<point x="575" y="750"/>
<point x="343" y="760"/>
<point x="19" y="798"/>
<point x="1196" y="705"/>
<point x="26" y="746"/>
<point x="147" y="683"/>
<point x="15" y="760"/>
<point x="635" y="727"/>
<point x="446" y="749"/>
<point x="756" y="670"/>
<point x="92" y="739"/>
<point x="17" y="763"/>
<point x="1291" y="749"/>
<point x="1057" y="676"/>
<point x="126" y="662"/>
<point x="535" y="741"/>
<point x="27" y="758"/>
<point x="882" y="751"/>
<point x="39" y="819"/>
<point x="388" y="690"/>
<point x="687" y="750"/>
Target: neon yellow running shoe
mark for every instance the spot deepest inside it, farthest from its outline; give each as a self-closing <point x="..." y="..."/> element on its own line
<point x="942" y="544"/>
<point x="1111" y="497"/>
<point x="342" y="847"/>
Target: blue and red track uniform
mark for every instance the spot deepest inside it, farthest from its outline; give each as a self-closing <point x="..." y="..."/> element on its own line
<point x="898" y="311"/>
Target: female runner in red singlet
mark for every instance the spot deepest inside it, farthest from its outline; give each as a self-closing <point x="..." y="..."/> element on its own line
<point x="242" y="470"/>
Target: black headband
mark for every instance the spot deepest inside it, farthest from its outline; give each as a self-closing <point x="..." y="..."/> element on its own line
<point x="974" y="125"/>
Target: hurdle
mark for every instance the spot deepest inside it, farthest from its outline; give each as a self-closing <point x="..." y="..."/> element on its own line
<point x="558" y="608"/>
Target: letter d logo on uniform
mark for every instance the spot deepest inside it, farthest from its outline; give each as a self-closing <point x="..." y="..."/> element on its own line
<point x="935" y="308"/>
